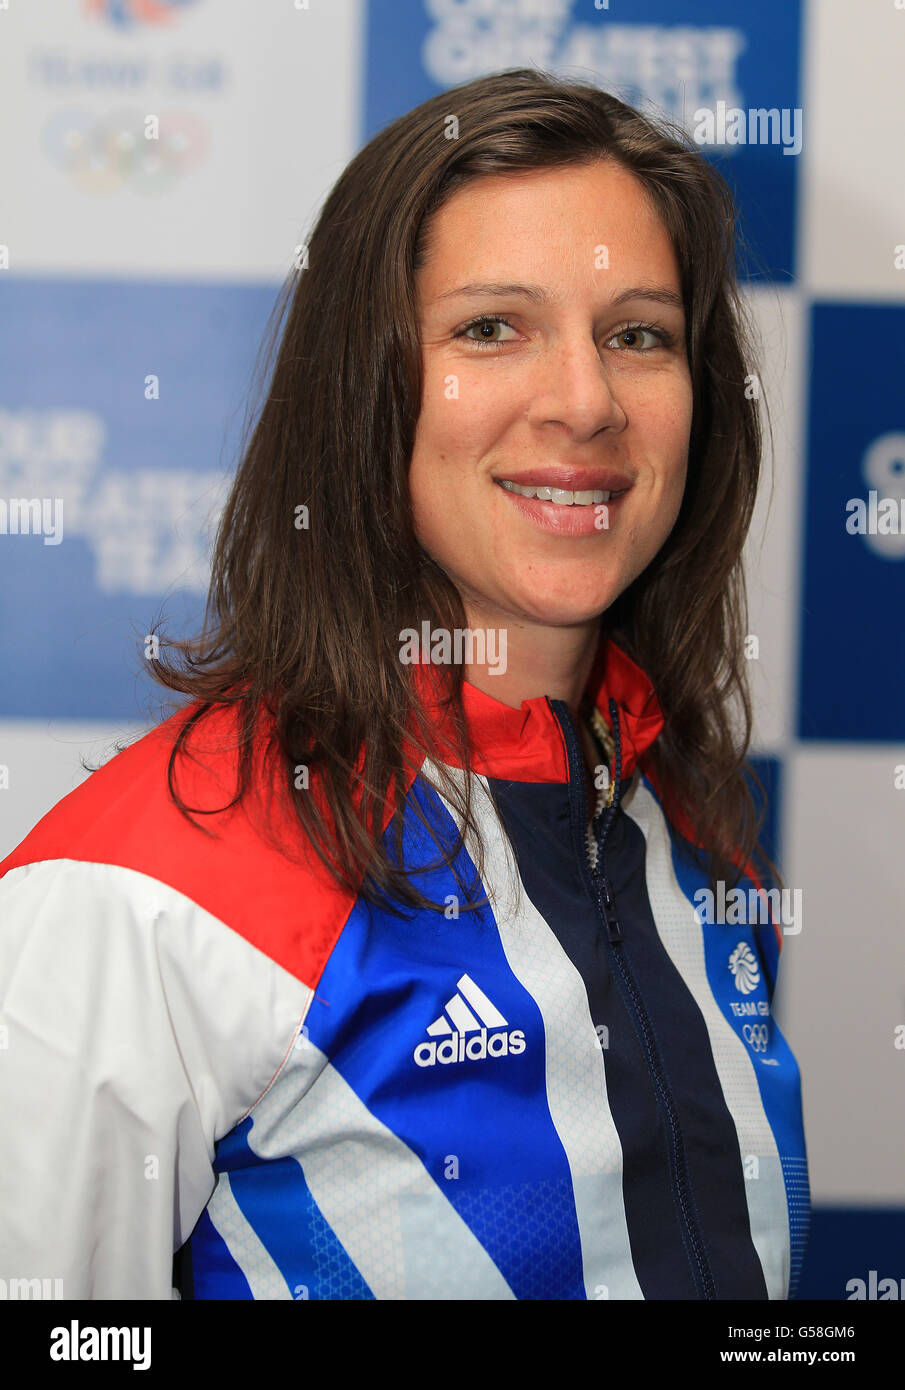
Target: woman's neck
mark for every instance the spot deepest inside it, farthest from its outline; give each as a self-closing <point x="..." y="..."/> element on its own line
<point x="553" y="661"/>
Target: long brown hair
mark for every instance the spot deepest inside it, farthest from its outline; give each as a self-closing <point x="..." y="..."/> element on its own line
<point x="305" y="609"/>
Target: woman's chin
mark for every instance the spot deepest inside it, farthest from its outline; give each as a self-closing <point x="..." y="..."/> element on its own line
<point x="567" y="610"/>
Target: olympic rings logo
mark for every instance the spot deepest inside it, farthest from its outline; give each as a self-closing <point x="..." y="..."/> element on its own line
<point x="101" y="154"/>
<point x="755" y="1035"/>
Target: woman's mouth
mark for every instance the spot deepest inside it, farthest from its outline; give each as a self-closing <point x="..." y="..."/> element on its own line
<point x="560" y="497"/>
<point x="563" y="512"/>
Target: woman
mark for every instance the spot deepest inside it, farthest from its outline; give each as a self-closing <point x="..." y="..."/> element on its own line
<point x="375" y="970"/>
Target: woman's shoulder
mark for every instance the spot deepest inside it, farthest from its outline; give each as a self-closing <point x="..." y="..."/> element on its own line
<point x="126" y="801"/>
<point x="238" y="860"/>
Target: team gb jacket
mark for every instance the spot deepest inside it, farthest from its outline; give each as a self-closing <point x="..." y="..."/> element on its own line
<point x="575" y="1092"/>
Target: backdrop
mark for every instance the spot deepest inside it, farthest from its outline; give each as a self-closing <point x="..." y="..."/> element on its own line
<point x="160" y="163"/>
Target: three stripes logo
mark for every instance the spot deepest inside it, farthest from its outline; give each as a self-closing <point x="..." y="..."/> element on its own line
<point x="469" y="1011"/>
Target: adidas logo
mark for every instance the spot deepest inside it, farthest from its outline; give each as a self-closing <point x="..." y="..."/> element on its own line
<point x="468" y="1011"/>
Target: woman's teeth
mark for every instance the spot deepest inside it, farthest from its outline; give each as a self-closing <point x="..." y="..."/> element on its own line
<point x="560" y="496"/>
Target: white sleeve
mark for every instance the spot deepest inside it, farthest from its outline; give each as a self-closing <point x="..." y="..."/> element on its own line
<point x="135" y="1030"/>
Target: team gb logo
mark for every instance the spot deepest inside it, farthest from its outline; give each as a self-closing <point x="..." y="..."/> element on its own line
<point x="743" y="965"/>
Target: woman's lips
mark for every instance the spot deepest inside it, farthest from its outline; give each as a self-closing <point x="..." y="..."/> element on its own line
<point x="589" y="519"/>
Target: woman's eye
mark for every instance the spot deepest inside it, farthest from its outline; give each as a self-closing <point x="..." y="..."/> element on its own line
<point x="632" y="336"/>
<point x="484" y="330"/>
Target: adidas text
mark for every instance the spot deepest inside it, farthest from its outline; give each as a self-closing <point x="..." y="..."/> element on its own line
<point x="473" y="1049"/>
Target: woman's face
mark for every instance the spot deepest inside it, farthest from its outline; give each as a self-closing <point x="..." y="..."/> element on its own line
<point x="584" y="387"/>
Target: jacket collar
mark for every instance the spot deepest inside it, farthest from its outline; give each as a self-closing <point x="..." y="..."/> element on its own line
<point x="526" y="744"/>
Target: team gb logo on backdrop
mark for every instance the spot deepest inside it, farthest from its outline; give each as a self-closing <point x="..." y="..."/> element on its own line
<point x="128" y="14"/>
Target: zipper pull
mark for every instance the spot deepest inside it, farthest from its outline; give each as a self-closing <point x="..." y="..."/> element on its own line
<point x="609" y="911"/>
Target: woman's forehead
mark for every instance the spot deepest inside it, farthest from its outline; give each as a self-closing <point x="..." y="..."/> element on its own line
<point x="546" y="229"/>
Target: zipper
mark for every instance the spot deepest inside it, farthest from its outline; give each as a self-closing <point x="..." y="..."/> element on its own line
<point x="601" y="892"/>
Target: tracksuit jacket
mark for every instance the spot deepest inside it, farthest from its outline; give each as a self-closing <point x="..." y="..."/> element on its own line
<point x="213" y="1053"/>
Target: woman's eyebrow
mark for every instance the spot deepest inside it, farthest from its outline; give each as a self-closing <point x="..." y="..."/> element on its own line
<point x="662" y="294"/>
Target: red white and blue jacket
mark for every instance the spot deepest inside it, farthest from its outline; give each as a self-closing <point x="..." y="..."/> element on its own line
<point x="574" y="1092"/>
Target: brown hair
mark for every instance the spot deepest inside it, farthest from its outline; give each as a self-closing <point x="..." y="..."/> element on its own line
<point x="306" y="621"/>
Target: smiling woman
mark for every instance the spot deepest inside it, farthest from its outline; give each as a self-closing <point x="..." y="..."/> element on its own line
<point x="587" y="390"/>
<point x="412" y="928"/>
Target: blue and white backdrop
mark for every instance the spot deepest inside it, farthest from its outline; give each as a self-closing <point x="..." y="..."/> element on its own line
<point x="136" y="279"/>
